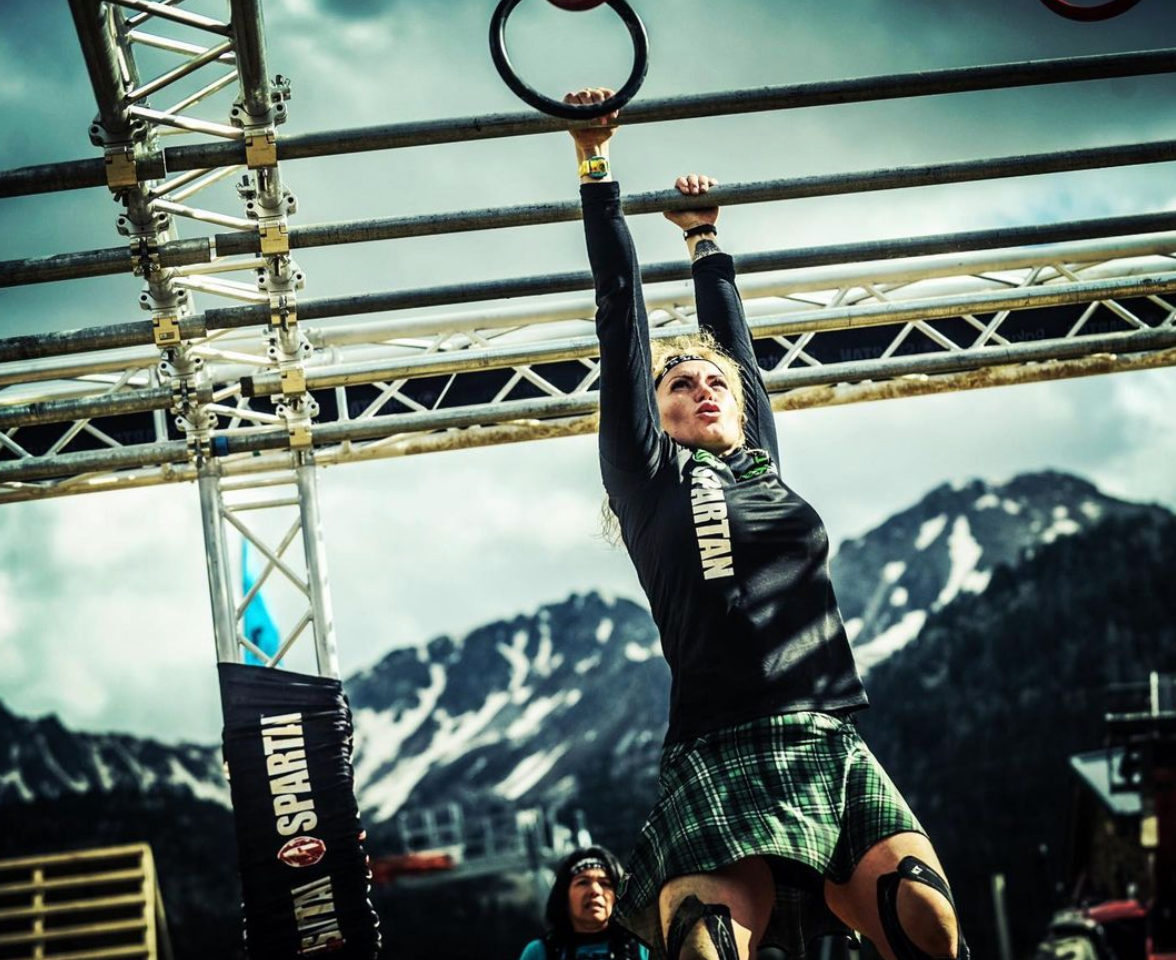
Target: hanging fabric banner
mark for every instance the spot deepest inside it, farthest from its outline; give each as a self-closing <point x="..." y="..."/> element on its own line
<point x="304" y="872"/>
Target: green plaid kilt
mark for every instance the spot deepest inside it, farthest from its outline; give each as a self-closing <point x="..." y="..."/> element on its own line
<point x="799" y="789"/>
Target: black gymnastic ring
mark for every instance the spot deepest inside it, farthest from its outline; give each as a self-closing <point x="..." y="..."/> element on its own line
<point x="557" y="108"/>
<point x="1104" y="11"/>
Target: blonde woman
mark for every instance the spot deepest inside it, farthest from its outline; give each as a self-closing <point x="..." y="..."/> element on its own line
<point x="774" y="823"/>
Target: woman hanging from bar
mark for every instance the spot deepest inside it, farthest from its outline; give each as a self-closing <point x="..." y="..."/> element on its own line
<point x="774" y="823"/>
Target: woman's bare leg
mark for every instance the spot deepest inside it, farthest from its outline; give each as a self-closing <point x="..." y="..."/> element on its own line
<point x="748" y="892"/>
<point x="925" y="916"/>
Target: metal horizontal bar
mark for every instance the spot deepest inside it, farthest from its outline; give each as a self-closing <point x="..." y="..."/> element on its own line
<point x="967" y="266"/>
<point x="74" y="906"/>
<point x="533" y="430"/>
<point x="175" y="46"/>
<point x="96" y="263"/>
<point x="108" y="953"/>
<point x="70" y="464"/>
<point x="77" y="857"/>
<point x="78" y="174"/>
<point x="69" y="933"/>
<point x="191" y="124"/>
<point x="139" y="333"/>
<point x="178" y="73"/>
<point x="178" y="16"/>
<point x="824" y="319"/>
<point x="378" y="428"/>
<point x="58" y="411"/>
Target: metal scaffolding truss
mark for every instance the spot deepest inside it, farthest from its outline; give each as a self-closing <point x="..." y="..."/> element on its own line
<point x="254" y="394"/>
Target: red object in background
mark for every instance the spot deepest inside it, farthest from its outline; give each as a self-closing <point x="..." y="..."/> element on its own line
<point x="576" y="4"/>
<point x="387" y="869"/>
<point x="1117" y="910"/>
<point x="1087" y="13"/>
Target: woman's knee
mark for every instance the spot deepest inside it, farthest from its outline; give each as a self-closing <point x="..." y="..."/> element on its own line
<point x="717" y="916"/>
<point x="928" y="920"/>
<point x="917" y="913"/>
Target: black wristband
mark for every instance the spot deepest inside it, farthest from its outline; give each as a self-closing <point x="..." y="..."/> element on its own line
<point x="700" y="229"/>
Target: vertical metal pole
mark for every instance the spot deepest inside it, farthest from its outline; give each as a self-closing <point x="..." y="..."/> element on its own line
<point x="224" y="620"/>
<point x="101" y="56"/>
<point x="249" y="45"/>
<point x="1004" y="942"/>
<point x="326" y="652"/>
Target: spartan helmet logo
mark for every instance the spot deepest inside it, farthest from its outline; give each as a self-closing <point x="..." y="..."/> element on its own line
<point x="302" y="852"/>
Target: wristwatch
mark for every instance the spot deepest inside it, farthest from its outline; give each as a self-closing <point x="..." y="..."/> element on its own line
<point x="595" y="167"/>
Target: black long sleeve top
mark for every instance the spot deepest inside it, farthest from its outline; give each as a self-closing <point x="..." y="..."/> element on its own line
<point x="734" y="563"/>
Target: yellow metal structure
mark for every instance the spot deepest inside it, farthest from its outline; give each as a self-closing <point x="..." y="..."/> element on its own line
<point x="100" y="904"/>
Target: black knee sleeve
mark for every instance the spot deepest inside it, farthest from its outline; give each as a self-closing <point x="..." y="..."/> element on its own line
<point x="716" y="920"/>
<point x="916" y="871"/>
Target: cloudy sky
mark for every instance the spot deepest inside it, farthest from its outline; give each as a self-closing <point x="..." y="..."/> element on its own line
<point x="104" y="617"/>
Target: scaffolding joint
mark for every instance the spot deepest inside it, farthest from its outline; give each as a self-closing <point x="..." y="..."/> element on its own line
<point x="145" y="255"/>
<point x="261" y="147"/>
<point x="165" y="330"/>
<point x="120" y="168"/>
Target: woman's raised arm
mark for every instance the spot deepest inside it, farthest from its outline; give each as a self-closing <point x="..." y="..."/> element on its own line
<point x="630" y="428"/>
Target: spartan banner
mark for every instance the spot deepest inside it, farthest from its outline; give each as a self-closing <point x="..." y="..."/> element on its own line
<point x="304" y="873"/>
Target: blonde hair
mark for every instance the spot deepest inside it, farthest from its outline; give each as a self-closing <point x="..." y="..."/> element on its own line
<point x="704" y="346"/>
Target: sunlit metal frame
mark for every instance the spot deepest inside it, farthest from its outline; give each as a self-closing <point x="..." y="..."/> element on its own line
<point x="245" y="404"/>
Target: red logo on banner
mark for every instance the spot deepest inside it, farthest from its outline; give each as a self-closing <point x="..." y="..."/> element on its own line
<point x="302" y="852"/>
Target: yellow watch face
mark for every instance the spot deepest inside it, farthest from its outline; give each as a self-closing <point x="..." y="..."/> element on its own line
<point x="594" y="167"/>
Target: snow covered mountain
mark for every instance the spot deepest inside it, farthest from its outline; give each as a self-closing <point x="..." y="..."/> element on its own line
<point x="570" y="703"/>
<point x="42" y="760"/>
<point x="527" y="707"/>
<point x="948" y="544"/>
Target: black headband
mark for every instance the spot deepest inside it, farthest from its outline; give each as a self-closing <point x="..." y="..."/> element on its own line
<point x="674" y="361"/>
<point x="588" y="863"/>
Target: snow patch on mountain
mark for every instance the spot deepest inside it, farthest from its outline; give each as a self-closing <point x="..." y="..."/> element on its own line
<point x="638" y="653"/>
<point x="379" y="735"/>
<point x="531" y="719"/>
<point x="890" y="640"/>
<point x="929" y="532"/>
<point x="13" y="779"/>
<point x="965" y="553"/>
<point x="1063" y="526"/>
<point x="180" y="776"/>
<point x="527" y="774"/>
<point x="454" y="737"/>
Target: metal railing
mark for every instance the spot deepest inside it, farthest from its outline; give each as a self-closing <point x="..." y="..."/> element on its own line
<point x="100" y="904"/>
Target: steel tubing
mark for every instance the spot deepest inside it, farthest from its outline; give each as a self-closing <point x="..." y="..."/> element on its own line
<point x="139" y="333"/>
<point x="249" y="32"/>
<point x="90" y="173"/>
<point x="179" y="253"/>
<point x="809" y="321"/>
<point x="91" y="461"/>
<point x="796" y="399"/>
<point x="91" y="21"/>
<point x="110" y="405"/>
<point x="1163" y="338"/>
<point x="378" y="428"/>
<point x="325" y="646"/>
<point x="551" y="351"/>
<point x="216" y="553"/>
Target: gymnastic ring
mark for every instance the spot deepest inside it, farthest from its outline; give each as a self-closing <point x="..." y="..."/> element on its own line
<point x="1103" y="11"/>
<point x="557" y="108"/>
